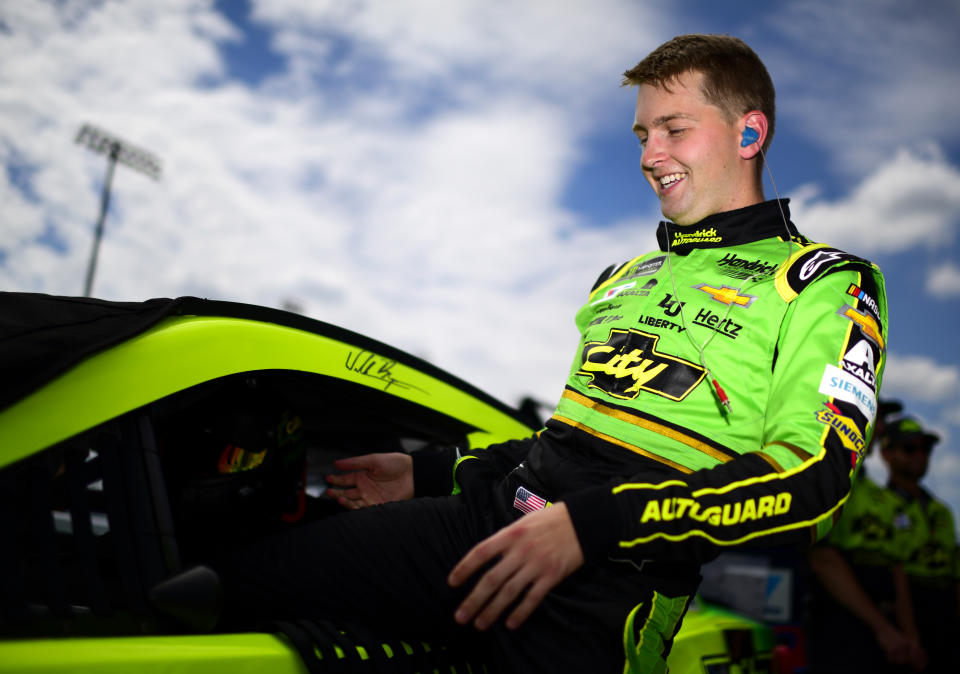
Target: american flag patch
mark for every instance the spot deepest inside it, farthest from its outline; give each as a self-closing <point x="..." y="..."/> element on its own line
<point x="527" y="501"/>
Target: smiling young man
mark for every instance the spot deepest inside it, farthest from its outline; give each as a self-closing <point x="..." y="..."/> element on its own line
<point x="692" y="152"/>
<point x="722" y="393"/>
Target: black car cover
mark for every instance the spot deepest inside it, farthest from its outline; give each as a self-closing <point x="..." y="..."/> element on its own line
<point x="42" y="336"/>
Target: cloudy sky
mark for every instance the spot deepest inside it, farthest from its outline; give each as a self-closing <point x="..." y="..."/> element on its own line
<point x="450" y="177"/>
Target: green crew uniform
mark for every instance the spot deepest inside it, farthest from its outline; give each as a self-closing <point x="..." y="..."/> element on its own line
<point x="932" y="566"/>
<point x="870" y="537"/>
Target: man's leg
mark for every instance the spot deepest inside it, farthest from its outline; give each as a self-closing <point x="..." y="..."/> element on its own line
<point x="384" y="567"/>
<point x="607" y="619"/>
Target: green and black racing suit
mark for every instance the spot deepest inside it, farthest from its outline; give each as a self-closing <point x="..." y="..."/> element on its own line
<point x="653" y="465"/>
<point x="649" y="462"/>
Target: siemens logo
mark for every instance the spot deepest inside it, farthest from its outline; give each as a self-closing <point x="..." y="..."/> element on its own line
<point x="843" y="386"/>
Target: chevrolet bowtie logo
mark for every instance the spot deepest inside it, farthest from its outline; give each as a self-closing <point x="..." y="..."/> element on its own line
<point x="867" y="324"/>
<point x="727" y="295"/>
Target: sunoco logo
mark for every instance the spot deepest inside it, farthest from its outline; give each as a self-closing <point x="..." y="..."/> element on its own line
<point x="628" y="362"/>
<point x="846" y="429"/>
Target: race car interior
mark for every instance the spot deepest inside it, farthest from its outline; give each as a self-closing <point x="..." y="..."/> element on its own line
<point x="96" y="526"/>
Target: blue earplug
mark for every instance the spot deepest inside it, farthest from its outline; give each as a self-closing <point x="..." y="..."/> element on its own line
<point x="749" y="137"/>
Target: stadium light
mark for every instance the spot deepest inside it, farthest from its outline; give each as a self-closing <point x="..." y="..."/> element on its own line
<point x="117" y="151"/>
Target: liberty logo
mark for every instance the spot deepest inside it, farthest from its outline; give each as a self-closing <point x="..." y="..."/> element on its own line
<point x="670" y="306"/>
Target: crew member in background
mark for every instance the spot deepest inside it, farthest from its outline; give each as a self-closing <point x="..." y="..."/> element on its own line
<point x="861" y="617"/>
<point x="926" y="526"/>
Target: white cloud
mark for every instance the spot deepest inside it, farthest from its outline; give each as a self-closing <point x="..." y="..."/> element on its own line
<point x="433" y="226"/>
<point x="542" y="46"/>
<point x="912" y="201"/>
<point x="866" y="76"/>
<point x="920" y="378"/>
<point x="944" y="281"/>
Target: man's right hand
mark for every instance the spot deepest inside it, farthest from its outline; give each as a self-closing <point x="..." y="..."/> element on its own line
<point x="899" y="649"/>
<point x="372" y="479"/>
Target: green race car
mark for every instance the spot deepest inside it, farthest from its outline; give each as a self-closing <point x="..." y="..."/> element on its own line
<point x="139" y="439"/>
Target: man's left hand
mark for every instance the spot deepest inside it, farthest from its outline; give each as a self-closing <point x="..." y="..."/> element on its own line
<point x="536" y="553"/>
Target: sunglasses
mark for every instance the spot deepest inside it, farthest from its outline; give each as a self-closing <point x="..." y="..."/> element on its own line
<point x="915" y="447"/>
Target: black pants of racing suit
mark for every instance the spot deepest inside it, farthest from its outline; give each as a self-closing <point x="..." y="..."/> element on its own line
<point x="386" y="568"/>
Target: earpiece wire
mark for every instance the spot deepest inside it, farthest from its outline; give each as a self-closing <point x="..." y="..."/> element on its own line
<point x="701" y="349"/>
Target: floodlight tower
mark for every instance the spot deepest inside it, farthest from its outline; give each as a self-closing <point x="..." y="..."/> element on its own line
<point x="117" y="151"/>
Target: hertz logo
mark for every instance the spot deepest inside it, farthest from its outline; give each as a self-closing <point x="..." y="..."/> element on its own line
<point x="726" y="295"/>
<point x="628" y="362"/>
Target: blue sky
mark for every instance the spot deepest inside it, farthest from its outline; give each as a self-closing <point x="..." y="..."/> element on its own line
<point x="451" y="177"/>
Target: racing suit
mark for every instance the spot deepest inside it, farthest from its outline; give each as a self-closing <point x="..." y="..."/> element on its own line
<point x="652" y="466"/>
<point x="658" y="475"/>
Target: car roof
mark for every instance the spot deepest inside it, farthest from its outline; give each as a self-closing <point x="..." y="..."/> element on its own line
<point x="74" y="363"/>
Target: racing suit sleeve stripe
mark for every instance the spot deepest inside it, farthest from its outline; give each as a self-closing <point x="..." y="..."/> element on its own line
<point x="621" y="443"/>
<point x="647" y="485"/>
<point x="712" y="449"/>
<point x="728" y="487"/>
<point x="799" y="452"/>
<point x="823" y="527"/>
<point x="460" y="459"/>
<point x="783" y="458"/>
<point x="769" y="459"/>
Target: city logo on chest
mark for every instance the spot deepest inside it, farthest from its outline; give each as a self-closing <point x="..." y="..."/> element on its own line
<point x="628" y="362"/>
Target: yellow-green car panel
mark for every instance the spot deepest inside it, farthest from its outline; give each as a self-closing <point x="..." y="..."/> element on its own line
<point x="194" y="654"/>
<point x="184" y="351"/>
